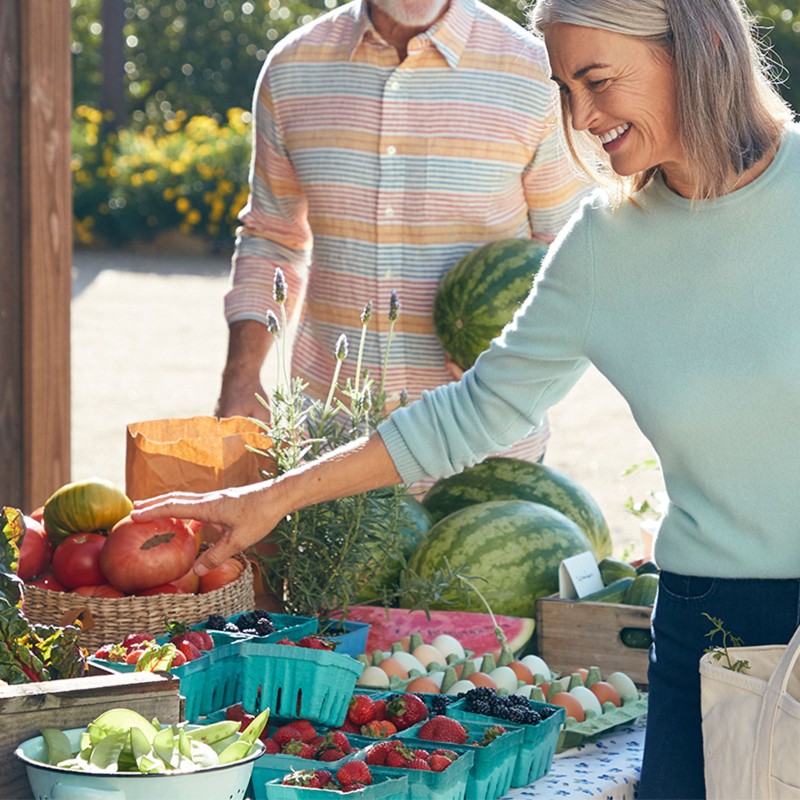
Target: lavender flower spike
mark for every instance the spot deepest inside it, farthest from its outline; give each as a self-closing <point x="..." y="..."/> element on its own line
<point x="279" y="286"/>
<point x="273" y="326"/>
<point x="394" y="306"/>
<point x="341" y="348"/>
<point x="366" y="314"/>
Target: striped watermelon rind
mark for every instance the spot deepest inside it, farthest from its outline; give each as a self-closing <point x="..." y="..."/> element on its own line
<point x="512" y="549"/>
<point x="479" y="294"/>
<point x="505" y="478"/>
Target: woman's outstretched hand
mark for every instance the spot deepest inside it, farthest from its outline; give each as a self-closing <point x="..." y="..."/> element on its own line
<point x="241" y="515"/>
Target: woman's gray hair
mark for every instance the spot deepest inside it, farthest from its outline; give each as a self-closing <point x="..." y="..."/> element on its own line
<point x="729" y="113"/>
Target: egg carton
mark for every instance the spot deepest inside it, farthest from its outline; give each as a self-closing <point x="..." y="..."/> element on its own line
<point x="575" y="733"/>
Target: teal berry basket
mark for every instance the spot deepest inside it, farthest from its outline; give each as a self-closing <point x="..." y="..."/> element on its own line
<point x="449" y="784"/>
<point x="298" y="681"/>
<point x="493" y="764"/>
<point x="381" y="786"/>
<point x="204" y="682"/>
<point x="538" y="744"/>
<point x="350" y="637"/>
<point x="287" y="626"/>
<point x="272" y="767"/>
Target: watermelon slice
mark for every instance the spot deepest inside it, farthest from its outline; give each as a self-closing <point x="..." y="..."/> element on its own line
<point x="475" y="631"/>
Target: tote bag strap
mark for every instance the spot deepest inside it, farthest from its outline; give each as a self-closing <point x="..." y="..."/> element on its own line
<point x="765" y="732"/>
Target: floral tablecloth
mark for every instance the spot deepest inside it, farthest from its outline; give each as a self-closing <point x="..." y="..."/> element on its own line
<point x="607" y="769"/>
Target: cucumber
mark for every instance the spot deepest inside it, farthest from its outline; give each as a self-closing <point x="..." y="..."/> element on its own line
<point x="647" y="567"/>
<point x="612" y="569"/>
<point x="642" y="592"/>
<point x="636" y="637"/>
<point x="613" y="593"/>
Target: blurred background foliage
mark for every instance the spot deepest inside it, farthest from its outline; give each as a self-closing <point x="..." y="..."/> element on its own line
<point x="161" y="93"/>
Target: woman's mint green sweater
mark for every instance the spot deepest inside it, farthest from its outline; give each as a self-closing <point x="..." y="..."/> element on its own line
<point x="694" y="315"/>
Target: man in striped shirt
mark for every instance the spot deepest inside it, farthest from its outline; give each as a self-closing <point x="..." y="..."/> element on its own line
<point x="391" y="138"/>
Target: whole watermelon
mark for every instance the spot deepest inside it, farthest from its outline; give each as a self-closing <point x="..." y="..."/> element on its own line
<point x="513" y="479"/>
<point x="512" y="548"/>
<point x="391" y="554"/>
<point x="479" y="294"/>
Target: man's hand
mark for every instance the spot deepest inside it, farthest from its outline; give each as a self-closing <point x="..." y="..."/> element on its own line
<point x="238" y="398"/>
<point x="454" y="369"/>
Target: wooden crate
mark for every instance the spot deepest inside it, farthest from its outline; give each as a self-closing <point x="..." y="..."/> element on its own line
<point x="73" y="703"/>
<point x="573" y="634"/>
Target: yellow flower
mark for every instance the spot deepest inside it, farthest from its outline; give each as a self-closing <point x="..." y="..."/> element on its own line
<point x="183" y="204"/>
<point x="193" y="217"/>
<point x="169" y="193"/>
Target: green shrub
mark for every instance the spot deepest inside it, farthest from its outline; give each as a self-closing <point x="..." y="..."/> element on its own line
<point x="189" y="174"/>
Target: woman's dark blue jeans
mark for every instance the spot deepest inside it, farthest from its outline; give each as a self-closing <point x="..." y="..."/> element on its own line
<point x="757" y="611"/>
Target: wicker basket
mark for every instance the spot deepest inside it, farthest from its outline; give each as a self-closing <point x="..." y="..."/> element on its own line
<point x="109" y="619"/>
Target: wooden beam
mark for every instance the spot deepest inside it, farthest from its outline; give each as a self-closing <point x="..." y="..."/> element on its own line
<point x="11" y="457"/>
<point x="44" y="262"/>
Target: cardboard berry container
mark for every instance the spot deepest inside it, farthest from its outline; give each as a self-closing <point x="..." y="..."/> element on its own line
<point x="381" y="786"/>
<point x="449" y="784"/>
<point x="536" y="748"/>
<point x="493" y="764"/>
<point x="298" y="681"/>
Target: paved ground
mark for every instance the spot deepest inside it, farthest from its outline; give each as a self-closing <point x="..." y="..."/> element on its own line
<point x="149" y="341"/>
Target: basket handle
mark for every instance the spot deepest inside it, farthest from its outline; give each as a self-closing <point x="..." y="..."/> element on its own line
<point x="765" y="730"/>
<point x="80" y="617"/>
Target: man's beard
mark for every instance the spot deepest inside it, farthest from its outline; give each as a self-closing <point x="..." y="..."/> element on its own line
<point x="412" y="13"/>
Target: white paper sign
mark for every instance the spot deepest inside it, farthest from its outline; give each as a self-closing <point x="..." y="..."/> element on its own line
<point x="579" y="576"/>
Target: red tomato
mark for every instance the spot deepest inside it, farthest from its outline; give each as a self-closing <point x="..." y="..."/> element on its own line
<point x="76" y="561"/>
<point x="188" y="583"/>
<point x="227" y="572"/>
<point x="165" y="588"/>
<point x="140" y="555"/>
<point x="99" y="590"/>
<point x="37" y="514"/>
<point x="35" y="550"/>
<point x="47" y="582"/>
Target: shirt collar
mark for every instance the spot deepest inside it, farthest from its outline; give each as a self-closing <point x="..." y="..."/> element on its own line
<point x="449" y="34"/>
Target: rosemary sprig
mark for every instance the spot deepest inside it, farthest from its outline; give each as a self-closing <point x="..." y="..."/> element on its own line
<point x="721" y="652"/>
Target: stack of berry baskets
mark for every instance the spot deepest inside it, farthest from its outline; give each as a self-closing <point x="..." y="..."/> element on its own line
<point x="187" y="654"/>
<point x="224" y="679"/>
<point x="354" y="777"/>
<point x="305" y="679"/>
<point x="540" y="723"/>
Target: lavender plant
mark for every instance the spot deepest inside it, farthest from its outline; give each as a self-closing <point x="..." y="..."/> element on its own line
<point x="324" y="556"/>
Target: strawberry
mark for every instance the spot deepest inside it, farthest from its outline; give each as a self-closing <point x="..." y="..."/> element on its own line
<point x="271" y="747"/>
<point x="490" y="734"/>
<point x="380" y="709"/>
<point x="307" y="730"/>
<point x="376" y="755"/>
<point x="443" y="729"/>
<point x="399" y="756"/>
<point x="179" y="659"/>
<point x="315" y="642"/>
<point x="354" y="772"/>
<point x="200" y="639"/>
<point x="353" y="787"/>
<point x="136" y="638"/>
<point x="361" y="709"/>
<point x="190" y="650"/>
<point x="441" y="751"/>
<point x="245" y="720"/>
<point x="301" y="777"/>
<point x="350" y="727"/>
<point x="405" y="710"/>
<point x="418" y="763"/>
<point x="133" y="656"/>
<point x="439" y="763"/>
<point x="331" y="754"/>
<point x="378" y="729"/>
<point x="286" y="641"/>
<point x="423" y="754"/>
<point x="286" y="734"/>
<point x="336" y="739"/>
<point x="323" y="779"/>
<point x="235" y="711"/>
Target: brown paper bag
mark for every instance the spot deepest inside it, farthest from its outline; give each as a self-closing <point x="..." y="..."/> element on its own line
<point x="197" y="454"/>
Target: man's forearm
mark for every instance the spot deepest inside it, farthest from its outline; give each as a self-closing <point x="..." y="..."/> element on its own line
<point x="248" y="344"/>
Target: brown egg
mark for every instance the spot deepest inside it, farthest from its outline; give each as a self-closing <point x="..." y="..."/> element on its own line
<point x="570" y="703"/>
<point x="522" y="672"/>
<point x="392" y="666"/>
<point x="423" y="685"/>
<point x="482" y="679"/>
<point x="606" y="693"/>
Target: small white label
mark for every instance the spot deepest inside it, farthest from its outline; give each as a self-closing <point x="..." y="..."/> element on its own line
<point x="579" y="576"/>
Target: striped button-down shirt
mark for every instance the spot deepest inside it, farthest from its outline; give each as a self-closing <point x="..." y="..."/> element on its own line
<point x="371" y="175"/>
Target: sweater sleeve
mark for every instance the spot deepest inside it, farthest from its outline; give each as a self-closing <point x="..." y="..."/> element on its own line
<point x="537" y="359"/>
<point x="275" y="231"/>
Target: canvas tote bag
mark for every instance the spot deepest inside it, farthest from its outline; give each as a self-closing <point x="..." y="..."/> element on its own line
<point x="751" y="724"/>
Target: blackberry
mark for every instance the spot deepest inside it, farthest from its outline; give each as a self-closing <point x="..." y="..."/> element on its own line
<point x="264" y="627"/>
<point x="230" y="627"/>
<point x="246" y="620"/>
<point x="515" y="714"/>
<point x="262" y="614"/>
<point x="439" y="703"/>
<point x="216" y="622"/>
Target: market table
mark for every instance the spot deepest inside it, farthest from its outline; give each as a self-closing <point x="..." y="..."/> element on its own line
<point x="607" y="769"/>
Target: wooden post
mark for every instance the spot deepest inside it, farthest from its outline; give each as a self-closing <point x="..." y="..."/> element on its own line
<point x="35" y="250"/>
